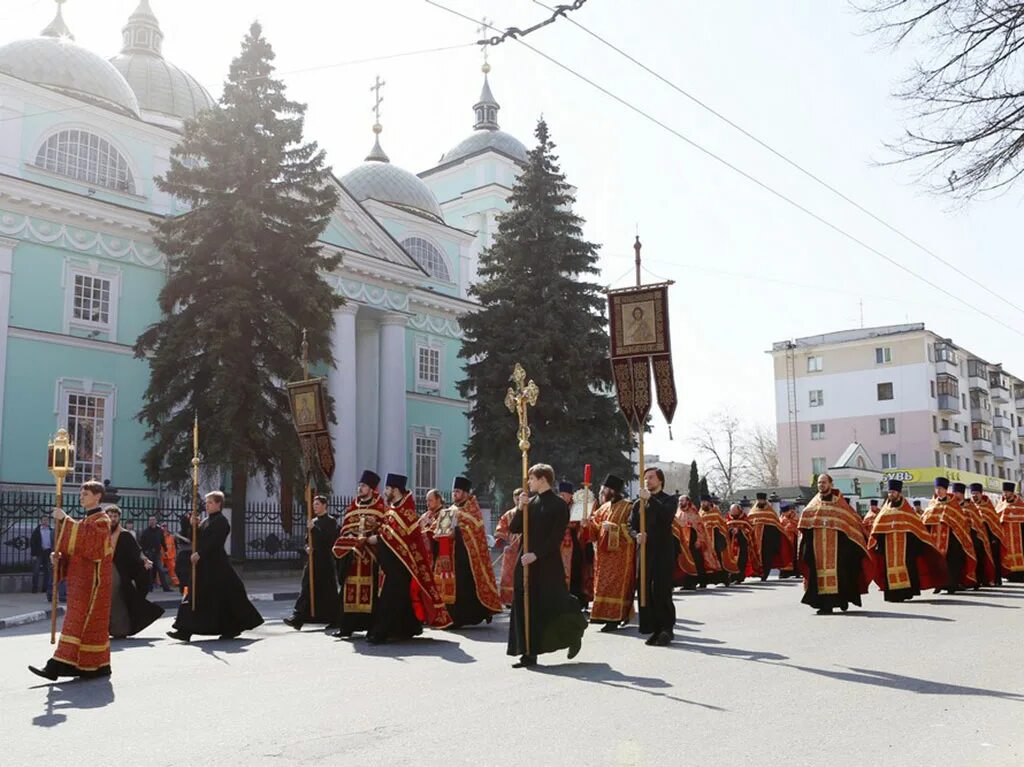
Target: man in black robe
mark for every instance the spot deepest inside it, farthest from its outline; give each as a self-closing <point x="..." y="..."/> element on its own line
<point x="323" y="530"/>
<point x="556" y="621"/>
<point x="579" y="558"/>
<point x="222" y="606"/>
<point x="130" y="611"/>
<point x="658" y="616"/>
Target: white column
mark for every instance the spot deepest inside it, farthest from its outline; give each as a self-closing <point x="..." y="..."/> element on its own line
<point x="341" y="384"/>
<point x="391" y="450"/>
<point x="7" y="246"/>
<point x="368" y="394"/>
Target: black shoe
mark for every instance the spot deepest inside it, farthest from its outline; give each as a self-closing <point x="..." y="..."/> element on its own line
<point x="574" y="648"/>
<point x="825" y="611"/>
<point x="844" y="608"/>
<point x="608" y="628"/>
<point x="228" y="637"/>
<point x="375" y="640"/>
<point x="100" y="673"/>
<point x="664" y="639"/>
<point x="339" y="634"/>
<point x="525" y="662"/>
<point x="294" y="622"/>
<point x="45" y="672"/>
<point x="651" y="640"/>
<point x="179" y="635"/>
<point x="55" y="668"/>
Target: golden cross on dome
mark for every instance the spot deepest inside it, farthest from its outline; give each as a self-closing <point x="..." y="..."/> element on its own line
<point x="482" y="30"/>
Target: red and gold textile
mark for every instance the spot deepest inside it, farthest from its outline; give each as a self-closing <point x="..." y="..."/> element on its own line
<point x="946" y="516"/>
<point x="868" y="522"/>
<point x="685" y="534"/>
<point x="760" y="518"/>
<point x="169" y="555"/>
<point x="509" y="557"/>
<point x="361" y="520"/>
<point x="824" y="520"/>
<point x="738" y="526"/>
<point x="990" y="517"/>
<point x="714" y="521"/>
<point x="896" y="523"/>
<point x="986" y="569"/>
<point x="400" y="531"/>
<point x="1011" y="516"/>
<point x="470" y="521"/>
<point x="614" y="562"/>
<point x="87" y="561"/>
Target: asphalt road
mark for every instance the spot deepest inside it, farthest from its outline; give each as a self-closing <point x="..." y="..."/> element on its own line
<point x="754" y="678"/>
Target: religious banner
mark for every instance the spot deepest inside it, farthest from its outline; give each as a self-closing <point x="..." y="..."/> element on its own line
<point x="309" y="413"/>
<point x="639" y="329"/>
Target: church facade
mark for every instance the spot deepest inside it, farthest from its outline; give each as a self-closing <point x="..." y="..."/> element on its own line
<point x="81" y="139"/>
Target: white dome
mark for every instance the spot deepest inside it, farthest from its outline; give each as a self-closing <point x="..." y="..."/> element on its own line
<point x="377" y="179"/>
<point x="482" y="140"/>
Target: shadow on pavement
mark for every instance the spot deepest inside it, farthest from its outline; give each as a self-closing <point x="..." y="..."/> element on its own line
<point x="217" y="647"/>
<point x="906" y="683"/>
<point x="717" y="648"/>
<point x="72" y="696"/>
<point x="971" y="602"/>
<point x="130" y="643"/>
<point x="422" y="647"/>
<point x="603" y="674"/>
<point x="493" y="632"/>
<point x="901" y="616"/>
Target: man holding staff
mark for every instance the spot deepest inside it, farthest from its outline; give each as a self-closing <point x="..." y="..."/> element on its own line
<point x="658" y="615"/>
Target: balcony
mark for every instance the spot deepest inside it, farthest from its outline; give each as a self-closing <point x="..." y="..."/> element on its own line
<point x="1020" y="433"/>
<point x="1019" y="399"/>
<point x="999" y="390"/>
<point x="982" y="446"/>
<point x="1003" y="452"/>
<point x="1002" y="422"/>
<point x="951" y="438"/>
<point x="980" y="415"/>
<point x="947" y="366"/>
<point x="950" y="403"/>
<point x="978" y="382"/>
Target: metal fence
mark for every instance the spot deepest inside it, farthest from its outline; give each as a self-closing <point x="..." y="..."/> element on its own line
<point x="274" y="538"/>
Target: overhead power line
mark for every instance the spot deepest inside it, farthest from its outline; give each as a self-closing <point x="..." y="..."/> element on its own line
<point x="792" y="163"/>
<point x="736" y="169"/>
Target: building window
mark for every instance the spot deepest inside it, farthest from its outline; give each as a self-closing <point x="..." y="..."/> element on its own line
<point x="886" y="425"/>
<point x="87" y="419"/>
<point x="86" y="157"/>
<point x="427" y="256"/>
<point x="949" y="461"/>
<point x="977" y="369"/>
<point x="885" y="391"/>
<point x="428" y="367"/>
<point x="977" y="467"/>
<point x="958" y="462"/>
<point x="889" y="460"/>
<point x="932" y="385"/>
<point x="91" y="300"/>
<point x="963" y="400"/>
<point x="818" y="466"/>
<point x="937" y="461"/>
<point x="425" y="456"/>
<point x="817" y="431"/>
<point x="935" y="424"/>
<point x="817" y="397"/>
<point x="883" y="354"/>
<point x="946" y="385"/>
<point x="966" y="435"/>
<point x="814" y="364"/>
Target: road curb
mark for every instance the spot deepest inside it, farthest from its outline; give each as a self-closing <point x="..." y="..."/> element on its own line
<point x="41" y="615"/>
<point x="33" y="617"/>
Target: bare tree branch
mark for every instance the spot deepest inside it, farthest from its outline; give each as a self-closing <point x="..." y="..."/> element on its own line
<point x="719" y="441"/>
<point x="761" y="455"/>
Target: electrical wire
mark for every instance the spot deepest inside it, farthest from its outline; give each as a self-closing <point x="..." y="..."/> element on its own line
<point x="736" y="169"/>
<point x="792" y="163"/>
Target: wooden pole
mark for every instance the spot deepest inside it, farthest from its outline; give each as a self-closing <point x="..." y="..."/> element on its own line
<point x="309" y="546"/>
<point x="195" y="507"/>
<point x="643" y="526"/>
<point x="517" y="399"/>
<point x="526" y="537"/>
<point x="55" y="580"/>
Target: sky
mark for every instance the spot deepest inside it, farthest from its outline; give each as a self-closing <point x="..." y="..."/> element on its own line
<point x="749" y="269"/>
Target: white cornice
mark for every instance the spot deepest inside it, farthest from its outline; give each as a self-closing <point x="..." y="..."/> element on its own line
<point x="28" y="334"/>
<point x="34" y="199"/>
<point x="436" y="399"/>
<point x="383" y="210"/>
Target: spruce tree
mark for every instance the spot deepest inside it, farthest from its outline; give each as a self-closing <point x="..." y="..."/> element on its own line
<point x="244" y="279"/>
<point x="693" y="489"/>
<point x="541" y="307"/>
<point x="702" y="488"/>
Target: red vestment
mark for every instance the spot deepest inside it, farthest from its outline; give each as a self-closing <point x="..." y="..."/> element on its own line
<point x="891" y="567"/>
<point x="946" y="516"/>
<point x="614" y="562"/>
<point x="986" y="572"/>
<point x="990" y="517"/>
<point x="685" y="533"/>
<point x="740" y="526"/>
<point x="87" y="559"/>
<point x="400" y="532"/>
<point x="785" y="557"/>
<point x="361" y="520"/>
<point x="715" y="522"/>
<point x="509" y="556"/>
<point x="1011" y="517"/>
<point x="470" y="522"/>
<point x="824" y="520"/>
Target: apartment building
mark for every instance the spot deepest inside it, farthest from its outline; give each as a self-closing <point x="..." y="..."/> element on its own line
<point x="918" y="403"/>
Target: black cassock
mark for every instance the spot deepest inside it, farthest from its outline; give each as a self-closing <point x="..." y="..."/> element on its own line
<point x="771" y="545"/>
<point x="222" y="606"/>
<point x="848" y="565"/>
<point x="915" y="549"/>
<point x="131" y="611"/>
<point x="556" y="622"/>
<point x="660" y="612"/>
<point x="467" y="609"/>
<point x="325" y="581"/>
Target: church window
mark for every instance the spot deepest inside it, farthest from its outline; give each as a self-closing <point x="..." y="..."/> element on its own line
<point x="425" y="454"/>
<point x="427" y="256"/>
<point x="428" y="366"/>
<point x="86" y="157"/>
<point x="91" y="302"/>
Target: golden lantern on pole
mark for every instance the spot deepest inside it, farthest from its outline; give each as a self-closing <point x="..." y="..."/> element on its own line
<point x="60" y="461"/>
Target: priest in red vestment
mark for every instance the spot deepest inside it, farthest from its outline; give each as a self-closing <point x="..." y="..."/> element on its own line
<point x="741" y="534"/>
<point x="952" y="534"/>
<point x="1011" y="517"/>
<point x="84" y="556"/>
<point x="987" y="569"/>
<point x="358" y="571"/>
<point x="718" y="535"/>
<point x="614" y="557"/>
<point x="509" y="542"/>
<point x="789" y="520"/>
<point x="772" y="541"/>
<point x="993" y="528"/>
<point x="407" y="596"/>
<point x="833" y="554"/>
<point x="905" y="559"/>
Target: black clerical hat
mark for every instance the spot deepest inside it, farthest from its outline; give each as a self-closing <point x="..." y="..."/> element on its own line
<point x="959" y="487"/>
<point x="614" y="483"/>
<point x="761" y="496"/>
<point x="370" y="479"/>
<point x="462" y="483"/>
<point x="896" y="484"/>
<point x="397" y="481"/>
<point x="1009" y="487"/>
<point x="565" y="487"/>
<point x="941" y="482"/>
<point x="977" y="487"/>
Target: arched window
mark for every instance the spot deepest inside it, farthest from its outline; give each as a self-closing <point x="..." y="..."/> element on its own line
<point x="427" y="256"/>
<point x="86" y="157"/>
